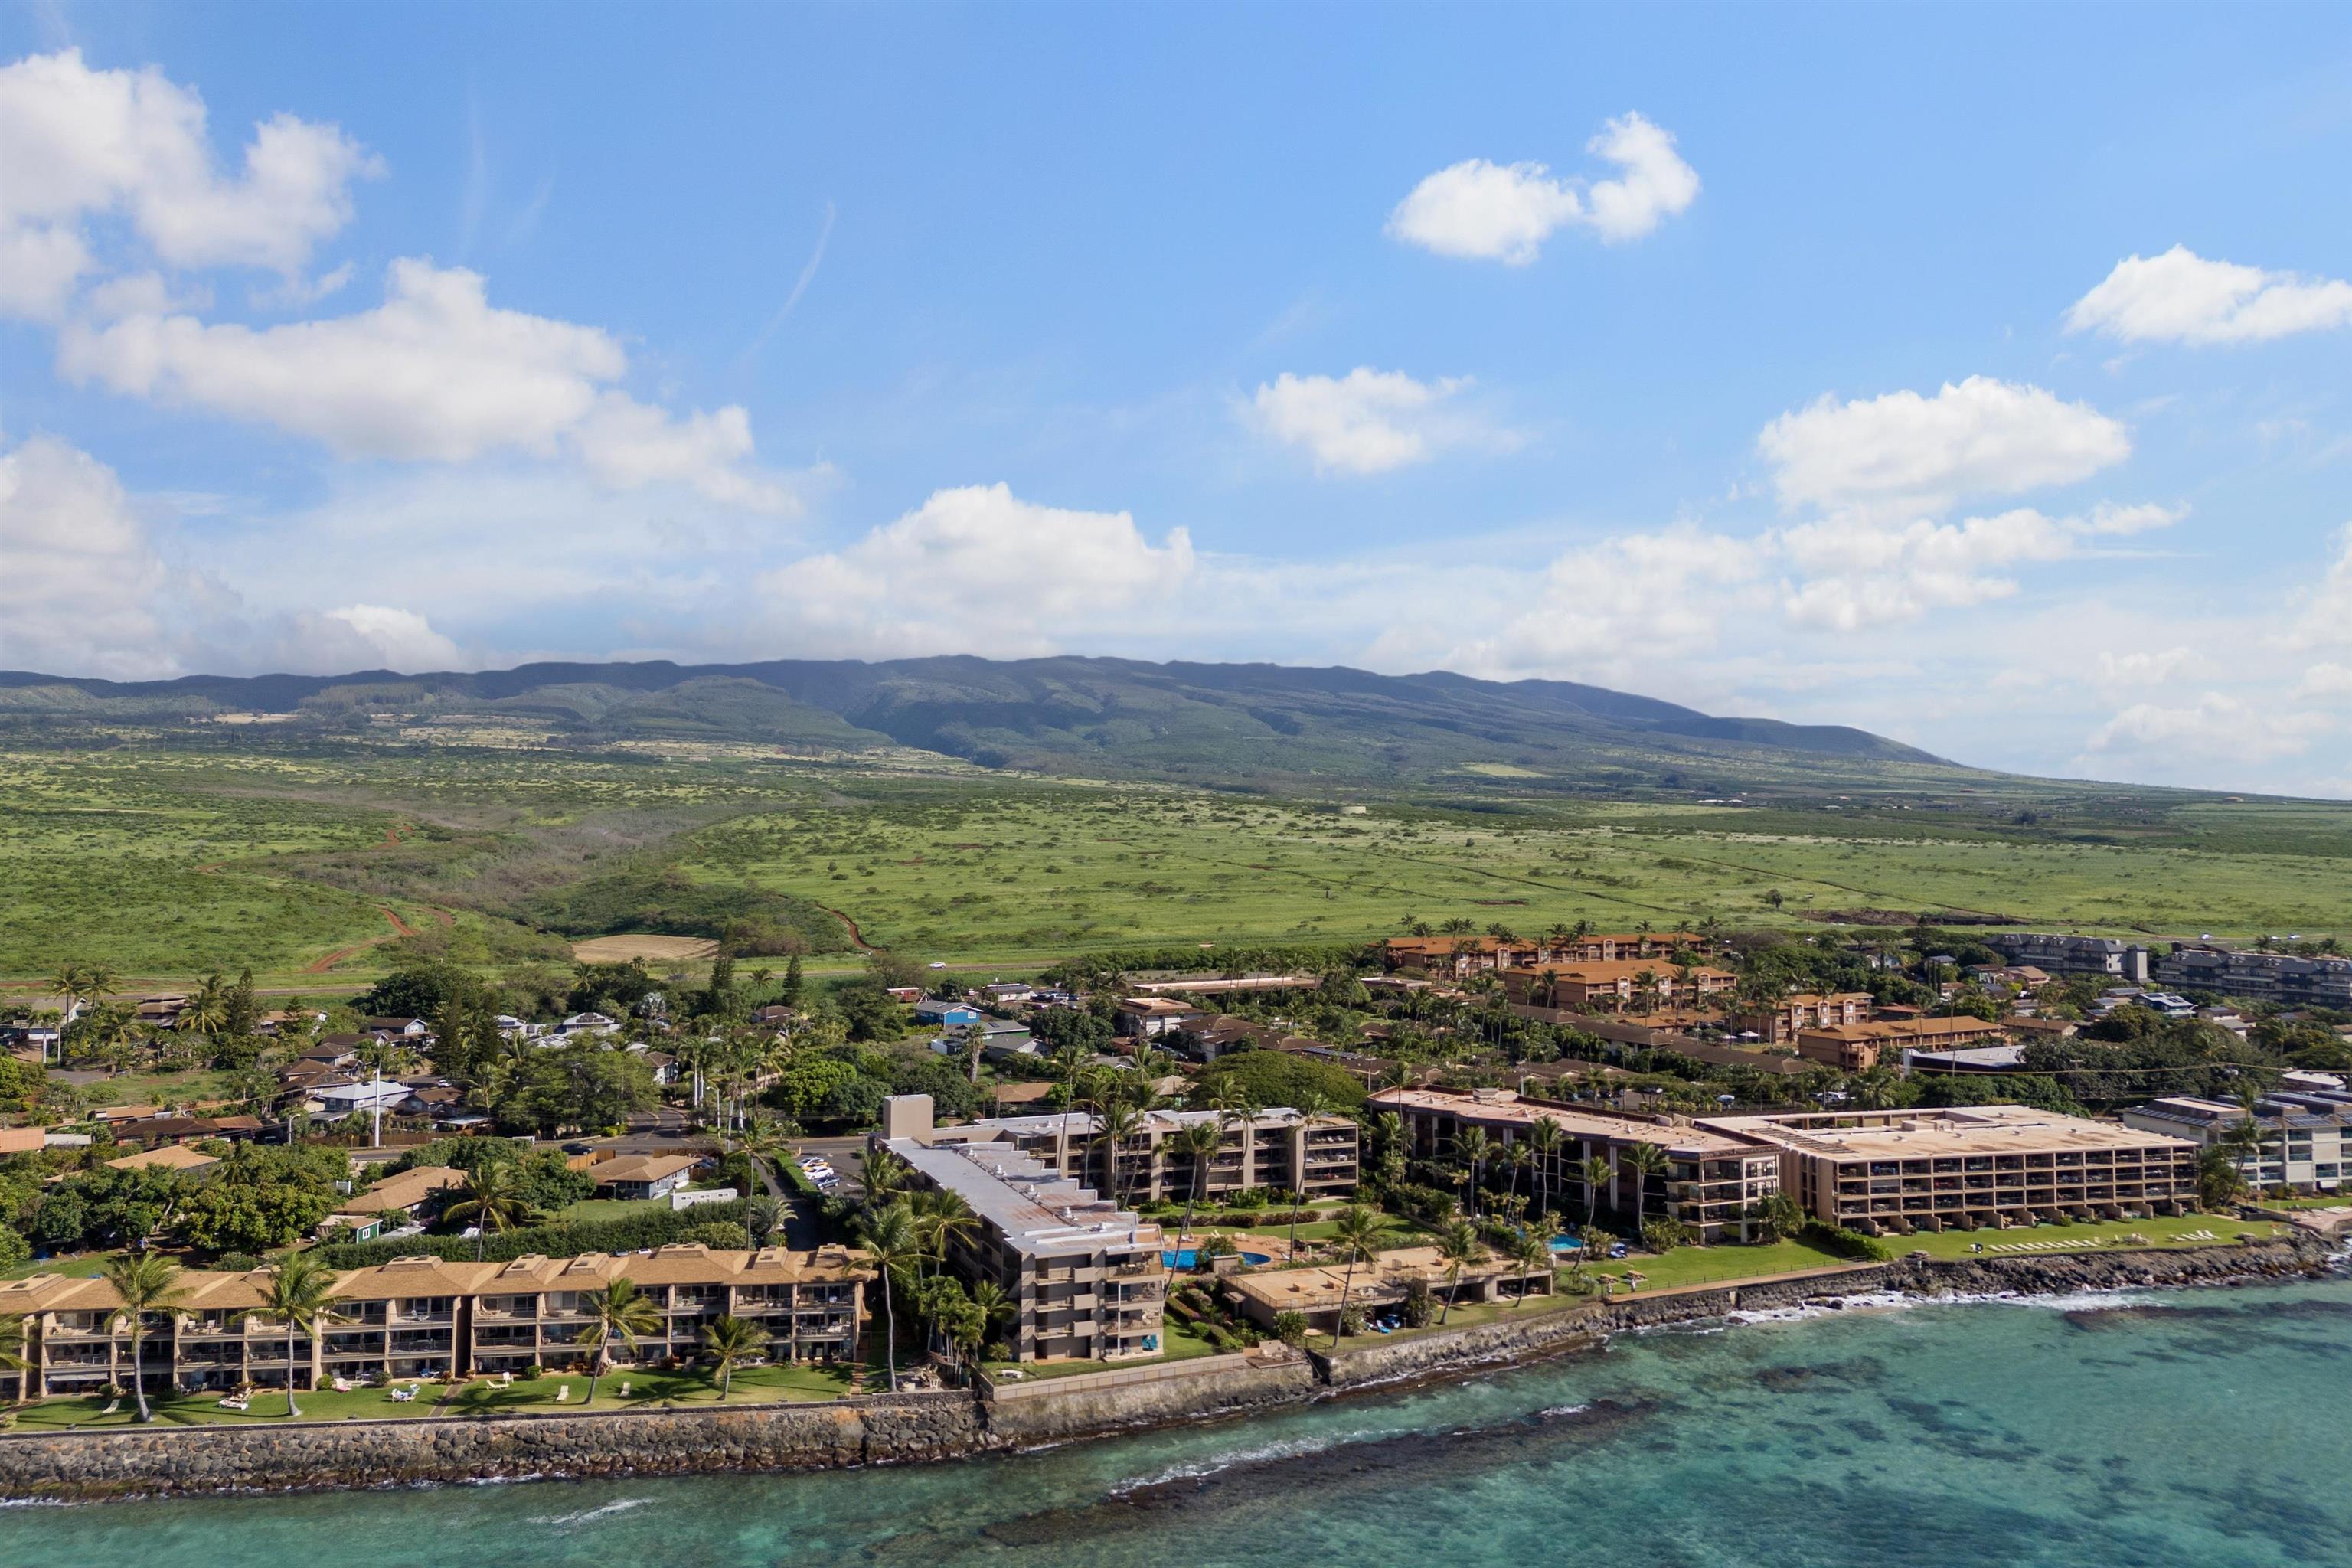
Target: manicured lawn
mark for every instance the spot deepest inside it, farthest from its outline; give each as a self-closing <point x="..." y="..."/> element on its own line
<point x="324" y="1404"/>
<point x="609" y="1208"/>
<point x="81" y="1266"/>
<point x="1177" y="1343"/>
<point x="752" y="1386"/>
<point x="2164" y="1230"/>
<point x="1709" y="1264"/>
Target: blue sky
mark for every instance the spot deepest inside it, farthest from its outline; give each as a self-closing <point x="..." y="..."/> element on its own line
<point x="1977" y="375"/>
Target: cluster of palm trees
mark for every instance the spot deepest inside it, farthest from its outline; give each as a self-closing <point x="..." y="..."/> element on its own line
<point x="909" y="1236"/>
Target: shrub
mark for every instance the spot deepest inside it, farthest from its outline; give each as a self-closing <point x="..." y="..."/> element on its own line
<point x="1420" y="1303"/>
<point x="236" y="1262"/>
<point x="15" y="1250"/>
<point x="1845" y="1243"/>
<point x="720" y="1234"/>
<point x="1660" y="1234"/>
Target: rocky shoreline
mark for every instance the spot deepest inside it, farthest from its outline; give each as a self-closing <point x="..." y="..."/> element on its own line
<point x="932" y="1426"/>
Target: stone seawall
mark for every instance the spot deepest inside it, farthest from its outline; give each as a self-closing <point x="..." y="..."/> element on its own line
<point x="916" y="1427"/>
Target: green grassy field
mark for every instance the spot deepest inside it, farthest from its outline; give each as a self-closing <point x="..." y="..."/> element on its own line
<point x="167" y="863"/>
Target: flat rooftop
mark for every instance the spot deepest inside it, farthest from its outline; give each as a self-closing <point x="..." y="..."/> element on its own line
<point x="1036" y="1211"/>
<point x="1502" y="1109"/>
<point x="1928" y="1134"/>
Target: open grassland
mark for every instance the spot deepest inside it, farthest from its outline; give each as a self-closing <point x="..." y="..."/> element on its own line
<point x="1006" y="875"/>
<point x="323" y="868"/>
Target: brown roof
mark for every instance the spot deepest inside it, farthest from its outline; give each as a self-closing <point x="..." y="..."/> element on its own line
<point x="21" y="1140"/>
<point x="641" y="1168"/>
<point x="169" y="1157"/>
<point x="405" y="1191"/>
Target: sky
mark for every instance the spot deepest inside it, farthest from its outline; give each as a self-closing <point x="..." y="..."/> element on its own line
<point x="1982" y="376"/>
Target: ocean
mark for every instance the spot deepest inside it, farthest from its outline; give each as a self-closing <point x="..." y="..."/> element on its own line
<point x="2185" y="1430"/>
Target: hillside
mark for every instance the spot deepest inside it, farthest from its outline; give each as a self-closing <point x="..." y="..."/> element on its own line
<point x="1218" y="724"/>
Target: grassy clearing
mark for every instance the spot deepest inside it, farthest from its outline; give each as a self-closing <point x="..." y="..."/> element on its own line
<point x="1177" y="1343"/>
<point x="592" y="1209"/>
<point x="80" y="1266"/>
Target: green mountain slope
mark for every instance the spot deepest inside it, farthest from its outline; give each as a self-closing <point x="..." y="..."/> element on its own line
<point x="1222" y="724"/>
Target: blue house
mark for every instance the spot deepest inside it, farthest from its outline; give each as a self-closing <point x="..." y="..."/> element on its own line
<point x="944" y="1014"/>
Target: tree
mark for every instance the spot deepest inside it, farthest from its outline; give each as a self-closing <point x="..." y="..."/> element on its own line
<point x="728" y="1342"/>
<point x="492" y="1200"/>
<point x="1775" y="1217"/>
<point x="1358" y="1234"/>
<point x="145" y="1283"/>
<point x="1532" y="1253"/>
<point x="795" y="984"/>
<point x="763" y="1215"/>
<point x="2219" y="1181"/>
<point x="1645" y="1160"/>
<point x="618" y="1311"/>
<point x="1596" y="1171"/>
<point x="888" y="1234"/>
<point x="300" y="1294"/>
<point x="1474" y="1149"/>
<point x="1119" y="1122"/>
<point x="1457" y="1245"/>
<point x="1544" y="1140"/>
<point x="1199" y="1142"/>
<point x="1290" y="1328"/>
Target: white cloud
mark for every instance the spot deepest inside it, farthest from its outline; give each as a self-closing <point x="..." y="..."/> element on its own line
<point x="85" y="143"/>
<point x="1854" y="571"/>
<point x="2179" y="297"/>
<point x="81" y="586"/>
<point x="2215" y="725"/>
<point x="2131" y="672"/>
<point x="2325" y="680"/>
<point x="87" y="591"/>
<point x="1625" y="600"/>
<point x="143" y="294"/>
<point x="1495" y="212"/>
<point x="434" y="373"/>
<point x="1902" y="452"/>
<point x="2326" y="618"/>
<point x="974" y="570"/>
<point x="1369" y="421"/>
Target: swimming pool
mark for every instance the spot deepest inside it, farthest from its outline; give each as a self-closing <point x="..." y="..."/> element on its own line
<point x="1566" y="1244"/>
<point x="1188" y="1259"/>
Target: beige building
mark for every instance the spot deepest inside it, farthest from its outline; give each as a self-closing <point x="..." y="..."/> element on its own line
<point x="423" y="1317"/>
<point x="1709" y="1179"/>
<point x="1086" y="1278"/>
<point x="1277" y="1149"/>
<point x="1316" y="1294"/>
<point x="1964" y="1166"/>
<point x="1782" y="1023"/>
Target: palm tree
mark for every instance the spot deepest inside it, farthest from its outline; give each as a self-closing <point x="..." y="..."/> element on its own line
<point x="1645" y="1160"/>
<point x="1532" y="1253"/>
<point x="493" y="1199"/>
<point x="1543" y="1144"/>
<point x="618" y="1311"/>
<point x="728" y="1341"/>
<point x="994" y="1307"/>
<point x="1474" y="1149"/>
<point x="1595" y="1170"/>
<point x="300" y="1294"/>
<point x="763" y="1215"/>
<point x="1119" y="1121"/>
<point x="1457" y="1244"/>
<point x="975" y="1035"/>
<point x="1359" y="1233"/>
<point x="13" y="1358"/>
<point x="939" y="1219"/>
<point x="1199" y="1142"/>
<point x="1312" y="1105"/>
<point x="144" y="1282"/>
<point x="888" y="1233"/>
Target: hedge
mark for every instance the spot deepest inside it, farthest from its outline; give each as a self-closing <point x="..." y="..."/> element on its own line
<point x="654" y="1227"/>
<point x="1845" y="1243"/>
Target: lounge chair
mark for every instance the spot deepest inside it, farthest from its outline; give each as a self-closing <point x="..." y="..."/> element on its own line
<point x="564" y="1394"/>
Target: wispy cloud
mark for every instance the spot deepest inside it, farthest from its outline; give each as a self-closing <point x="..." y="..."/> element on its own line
<point x="800" y="287"/>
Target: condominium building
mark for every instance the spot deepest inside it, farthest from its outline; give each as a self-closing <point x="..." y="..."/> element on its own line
<point x="2306" y="1139"/>
<point x="423" y="1317"/>
<point x="1274" y="1150"/>
<point x="1708" y="1180"/>
<point x="1085" y="1278"/>
<point x="2060" y="954"/>
<point x="1858" y="1048"/>
<point x="1615" y="985"/>
<point x="1461" y="956"/>
<point x="1780" y="1023"/>
<point x="2278" y="977"/>
<point x="1964" y="1166"/>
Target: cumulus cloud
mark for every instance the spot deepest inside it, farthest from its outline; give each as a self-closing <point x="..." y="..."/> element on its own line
<point x="1369" y="421"/>
<point x="1495" y="212"/>
<point x="1654" y="595"/>
<point x="2132" y="671"/>
<point x="2181" y="297"/>
<point x="87" y="590"/>
<point x="86" y="144"/>
<point x="1854" y="571"/>
<point x="2325" y="680"/>
<point x="2216" y="725"/>
<point x="975" y="570"/>
<point x="2325" y="620"/>
<point x="1903" y="452"/>
<point x="434" y="373"/>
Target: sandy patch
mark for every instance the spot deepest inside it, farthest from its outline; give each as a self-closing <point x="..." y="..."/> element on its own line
<point x="620" y="948"/>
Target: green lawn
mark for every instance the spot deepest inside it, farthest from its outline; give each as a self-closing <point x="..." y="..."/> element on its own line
<point x="81" y="1266"/>
<point x="160" y="1088"/>
<point x="2163" y="1230"/>
<point x="1178" y="1343"/>
<point x="609" y="1208"/>
<point x="175" y="1410"/>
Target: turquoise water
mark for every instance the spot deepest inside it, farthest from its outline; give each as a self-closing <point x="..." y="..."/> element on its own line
<point x="2203" y="1429"/>
<point x="1184" y="1260"/>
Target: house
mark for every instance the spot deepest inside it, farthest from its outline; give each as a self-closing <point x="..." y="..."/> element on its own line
<point x="159" y="1012"/>
<point x="395" y="1028"/>
<point x="22" y="1139"/>
<point x="904" y="993"/>
<point x="344" y="1099"/>
<point x="588" y="1023"/>
<point x="1149" y="1017"/>
<point x="115" y="1115"/>
<point x="167" y="1157"/>
<point x="661" y="1064"/>
<point x="1316" y="1294"/>
<point x="1006" y="991"/>
<point x="941" y="1012"/>
<point x="643" y="1176"/>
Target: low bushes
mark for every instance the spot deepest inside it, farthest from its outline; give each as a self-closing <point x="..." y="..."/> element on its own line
<point x="1845" y="1243"/>
<point x="654" y="1227"/>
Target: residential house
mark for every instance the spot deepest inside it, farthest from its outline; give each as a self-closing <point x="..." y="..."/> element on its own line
<point x="643" y="1176"/>
<point x="1150" y="1018"/>
<point x="945" y="1013"/>
<point x="176" y="1157"/>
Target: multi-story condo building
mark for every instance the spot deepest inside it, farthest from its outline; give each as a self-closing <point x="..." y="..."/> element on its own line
<point x="2060" y="954"/>
<point x="2277" y="977"/>
<point x="1902" y="1171"/>
<point x="1086" y="1278"/>
<point x="1615" y="985"/>
<point x="1461" y="956"/>
<point x="1277" y="1149"/>
<point x="425" y="1318"/>
<point x="1708" y="1180"/>
<point x="1780" y="1023"/>
<point x="2306" y="1137"/>
<point x="1858" y="1048"/>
